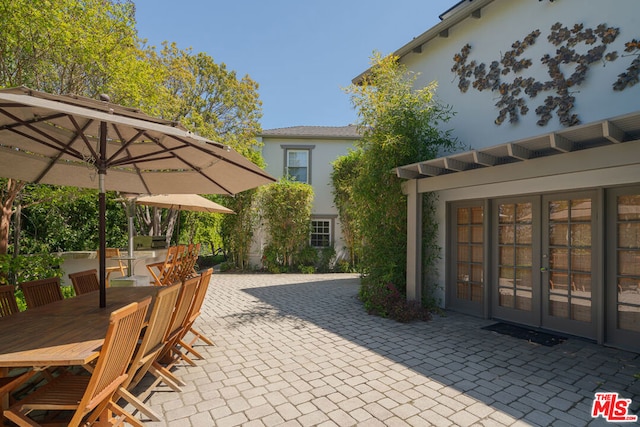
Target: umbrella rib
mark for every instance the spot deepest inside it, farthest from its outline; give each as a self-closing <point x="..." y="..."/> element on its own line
<point x="73" y="153"/>
<point x="204" y="150"/>
<point x="81" y="134"/>
<point x="126" y="148"/>
<point x="171" y="153"/>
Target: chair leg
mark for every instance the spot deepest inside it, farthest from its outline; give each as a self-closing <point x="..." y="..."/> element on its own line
<point x="199" y="336"/>
<point x="171" y="380"/>
<point x="138" y="404"/>
<point x="190" y="349"/>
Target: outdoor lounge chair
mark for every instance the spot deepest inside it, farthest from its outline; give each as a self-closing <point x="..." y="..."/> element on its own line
<point x="87" y="396"/>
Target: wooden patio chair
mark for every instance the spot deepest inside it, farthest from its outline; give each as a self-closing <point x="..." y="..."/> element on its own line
<point x="177" y="324"/>
<point x="174" y="275"/>
<point x="194" y="313"/>
<point x="161" y="271"/>
<point x="189" y="269"/>
<point x="85" y="281"/>
<point x="91" y="395"/>
<point x="149" y="348"/>
<point x="41" y="292"/>
<point x="164" y="356"/>
<point x="8" y="304"/>
<point x="120" y="267"/>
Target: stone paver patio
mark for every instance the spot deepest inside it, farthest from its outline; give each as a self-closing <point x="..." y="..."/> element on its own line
<point x="299" y="350"/>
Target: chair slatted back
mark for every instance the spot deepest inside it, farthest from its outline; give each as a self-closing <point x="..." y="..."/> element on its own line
<point x="198" y="300"/>
<point x="118" y="267"/>
<point x="183" y="305"/>
<point x="153" y="340"/>
<point x="160" y="271"/>
<point x="173" y="273"/>
<point x="85" y="281"/>
<point x="8" y="304"/>
<point x="41" y="292"/>
<point x="189" y="267"/>
<point x="155" y="332"/>
<point x="125" y="326"/>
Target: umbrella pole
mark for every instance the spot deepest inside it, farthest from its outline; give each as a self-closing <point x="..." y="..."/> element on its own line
<point x="130" y="212"/>
<point x="102" y="200"/>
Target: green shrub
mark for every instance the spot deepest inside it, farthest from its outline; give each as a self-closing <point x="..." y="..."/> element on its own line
<point x="307" y="269"/>
<point x="386" y="300"/>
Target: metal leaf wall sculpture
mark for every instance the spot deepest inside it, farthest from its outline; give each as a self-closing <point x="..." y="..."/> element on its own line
<point x="567" y="68"/>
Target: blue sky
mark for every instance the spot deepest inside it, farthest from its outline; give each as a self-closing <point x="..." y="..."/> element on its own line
<point x="302" y="53"/>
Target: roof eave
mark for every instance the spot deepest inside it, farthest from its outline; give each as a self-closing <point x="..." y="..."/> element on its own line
<point x="471" y="9"/>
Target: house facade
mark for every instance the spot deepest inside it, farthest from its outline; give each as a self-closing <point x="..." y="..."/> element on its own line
<point x="540" y="216"/>
<point x="306" y="154"/>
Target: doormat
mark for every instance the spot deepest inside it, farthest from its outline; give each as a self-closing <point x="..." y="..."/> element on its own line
<point x="531" y="335"/>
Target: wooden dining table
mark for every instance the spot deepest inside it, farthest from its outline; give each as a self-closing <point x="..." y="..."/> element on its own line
<point x="63" y="333"/>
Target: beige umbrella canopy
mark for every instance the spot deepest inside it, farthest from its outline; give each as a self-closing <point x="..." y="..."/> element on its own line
<point x="71" y="140"/>
<point x="183" y="202"/>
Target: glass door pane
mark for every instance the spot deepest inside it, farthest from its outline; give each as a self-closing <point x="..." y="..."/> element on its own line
<point x="628" y="262"/>
<point x="515" y="256"/>
<point x="469" y="272"/>
<point x="569" y="235"/>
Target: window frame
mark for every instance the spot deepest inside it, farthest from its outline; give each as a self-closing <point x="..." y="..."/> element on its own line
<point x="297" y="148"/>
<point x="330" y="222"/>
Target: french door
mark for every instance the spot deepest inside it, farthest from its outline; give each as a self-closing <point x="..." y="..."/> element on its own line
<point x="544" y="261"/>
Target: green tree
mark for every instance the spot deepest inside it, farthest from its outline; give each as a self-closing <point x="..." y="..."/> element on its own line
<point x="66" y="219"/>
<point x="286" y="209"/>
<point x="237" y="230"/>
<point x="212" y="101"/>
<point x="89" y="47"/>
<point x="400" y="126"/>
<point x="343" y="176"/>
<point x="85" y="47"/>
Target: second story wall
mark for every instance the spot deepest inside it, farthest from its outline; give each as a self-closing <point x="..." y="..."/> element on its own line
<point x="323" y="146"/>
<point x="555" y="64"/>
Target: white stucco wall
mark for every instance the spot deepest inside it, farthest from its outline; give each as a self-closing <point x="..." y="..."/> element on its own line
<point x="503" y="22"/>
<point x="324" y="153"/>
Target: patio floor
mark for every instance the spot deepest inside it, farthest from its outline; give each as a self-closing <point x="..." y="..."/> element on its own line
<point x="299" y="350"/>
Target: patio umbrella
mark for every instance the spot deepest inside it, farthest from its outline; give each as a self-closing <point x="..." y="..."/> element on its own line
<point x="72" y="140"/>
<point x="184" y="202"/>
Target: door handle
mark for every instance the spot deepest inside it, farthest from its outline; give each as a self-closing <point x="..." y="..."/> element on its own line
<point x="544" y="270"/>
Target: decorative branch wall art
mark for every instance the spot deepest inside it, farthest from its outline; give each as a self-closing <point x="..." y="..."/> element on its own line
<point x="567" y="69"/>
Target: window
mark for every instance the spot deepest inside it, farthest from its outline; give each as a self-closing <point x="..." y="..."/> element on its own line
<point x="320" y="233"/>
<point x="297" y="162"/>
<point x="298" y="165"/>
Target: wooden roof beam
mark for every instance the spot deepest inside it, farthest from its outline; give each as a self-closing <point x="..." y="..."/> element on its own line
<point x="455" y="165"/>
<point x="519" y="152"/>
<point x="612" y="132"/>
<point x="430" y="170"/>
<point x="560" y="143"/>
<point x="484" y="159"/>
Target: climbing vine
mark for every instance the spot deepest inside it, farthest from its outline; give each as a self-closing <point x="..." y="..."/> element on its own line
<point x="567" y="69"/>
